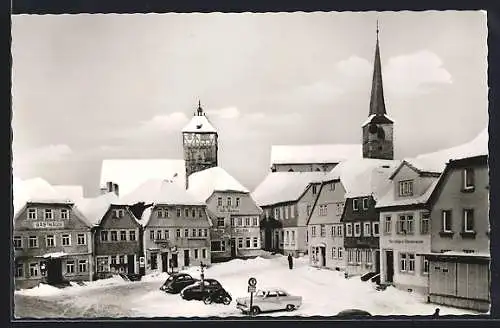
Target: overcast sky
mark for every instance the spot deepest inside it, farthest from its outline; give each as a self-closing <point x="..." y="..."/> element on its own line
<point x="89" y="87"/>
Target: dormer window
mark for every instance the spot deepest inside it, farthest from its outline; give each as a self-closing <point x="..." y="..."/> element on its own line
<point x="48" y="214"/>
<point x="365" y="203"/>
<point x="406" y="188"/>
<point x="468" y="179"/>
<point x="64" y="213"/>
<point x="314" y="189"/>
<point x="32" y="213"/>
<point x="229" y="201"/>
<point x="355" y="204"/>
<point x="119" y="213"/>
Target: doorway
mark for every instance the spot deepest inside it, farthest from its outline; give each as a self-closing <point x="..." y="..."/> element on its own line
<point x="173" y="261"/>
<point x="377" y="261"/>
<point x="389" y="264"/>
<point x="131" y="264"/>
<point x="276" y="240"/>
<point x="54" y="271"/>
<point x="186" y="257"/>
<point x="323" y="255"/>
<point x="267" y="239"/>
<point x="164" y="262"/>
<point x="233" y="247"/>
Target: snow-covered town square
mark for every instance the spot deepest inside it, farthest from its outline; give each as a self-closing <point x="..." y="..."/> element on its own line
<point x="250" y="165"/>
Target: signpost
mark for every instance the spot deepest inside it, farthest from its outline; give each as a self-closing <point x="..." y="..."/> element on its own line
<point x="252" y="282"/>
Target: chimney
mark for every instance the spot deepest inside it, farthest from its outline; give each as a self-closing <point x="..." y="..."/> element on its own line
<point x="116" y="189"/>
<point x="109" y="186"/>
<point x="103" y="190"/>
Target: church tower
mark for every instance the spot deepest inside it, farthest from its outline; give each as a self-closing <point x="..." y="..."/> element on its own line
<point x="378" y="138"/>
<point x="199" y="140"/>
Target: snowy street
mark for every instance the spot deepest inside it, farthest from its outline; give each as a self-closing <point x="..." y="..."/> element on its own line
<point x="324" y="293"/>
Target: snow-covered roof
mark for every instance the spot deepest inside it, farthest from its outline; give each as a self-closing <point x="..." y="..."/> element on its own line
<point x="160" y="191"/>
<point x="74" y="192"/>
<point x="389" y="198"/>
<point x="309" y="154"/>
<point x="370" y="118"/>
<point x="199" y="124"/>
<point x="363" y="177"/>
<point x="278" y="187"/>
<point x="130" y="173"/>
<point x="436" y="161"/>
<point x="202" y="184"/>
<point x="93" y="209"/>
<point x="459" y="254"/>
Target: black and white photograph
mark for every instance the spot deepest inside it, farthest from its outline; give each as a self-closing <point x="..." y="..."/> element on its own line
<point x="250" y="165"/>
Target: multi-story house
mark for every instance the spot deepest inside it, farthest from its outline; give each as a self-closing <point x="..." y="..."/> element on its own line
<point x="459" y="261"/>
<point x="325" y="231"/>
<point x="365" y="182"/>
<point x="176" y="226"/>
<point x="235" y="230"/>
<point x="287" y="198"/>
<point x="52" y="240"/>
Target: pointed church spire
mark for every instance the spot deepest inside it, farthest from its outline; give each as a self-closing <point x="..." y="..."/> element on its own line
<point x="377" y="104"/>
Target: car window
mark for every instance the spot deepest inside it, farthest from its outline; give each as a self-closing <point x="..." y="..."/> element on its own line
<point x="280" y="293"/>
<point x="272" y="294"/>
<point x="260" y="293"/>
<point x="170" y="279"/>
<point x="180" y="278"/>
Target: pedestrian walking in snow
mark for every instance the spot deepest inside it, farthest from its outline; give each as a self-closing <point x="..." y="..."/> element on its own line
<point x="290" y="261"/>
<point x="436" y="313"/>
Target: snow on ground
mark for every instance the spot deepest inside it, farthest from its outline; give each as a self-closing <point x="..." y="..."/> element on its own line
<point x="324" y="292"/>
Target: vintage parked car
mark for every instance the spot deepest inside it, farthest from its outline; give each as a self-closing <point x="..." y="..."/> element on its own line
<point x="177" y="282"/>
<point x="353" y="313"/>
<point x="271" y="299"/>
<point x="199" y="290"/>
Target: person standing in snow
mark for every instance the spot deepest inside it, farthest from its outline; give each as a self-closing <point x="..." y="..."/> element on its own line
<point x="436" y="313"/>
<point x="290" y="261"/>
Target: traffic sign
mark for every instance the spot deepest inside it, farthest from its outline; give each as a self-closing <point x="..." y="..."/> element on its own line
<point x="251" y="289"/>
<point x="252" y="282"/>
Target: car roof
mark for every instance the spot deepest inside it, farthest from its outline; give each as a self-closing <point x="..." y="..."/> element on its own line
<point x="272" y="289"/>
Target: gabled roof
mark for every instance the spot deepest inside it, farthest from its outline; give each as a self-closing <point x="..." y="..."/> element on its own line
<point x="204" y="183"/>
<point x="279" y="187"/>
<point x="314" y="154"/>
<point x="130" y="173"/>
<point x="364" y="177"/>
<point x="389" y="200"/>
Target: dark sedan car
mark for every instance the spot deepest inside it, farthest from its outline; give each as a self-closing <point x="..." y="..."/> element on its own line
<point x="177" y="282"/>
<point x="200" y="291"/>
<point x="353" y="313"/>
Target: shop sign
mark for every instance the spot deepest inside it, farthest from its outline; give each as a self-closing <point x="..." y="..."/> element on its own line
<point x="405" y="241"/>
<point x="48" y="224"/>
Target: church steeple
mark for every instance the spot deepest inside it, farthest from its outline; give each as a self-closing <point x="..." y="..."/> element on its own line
<point x="377" y="103"/>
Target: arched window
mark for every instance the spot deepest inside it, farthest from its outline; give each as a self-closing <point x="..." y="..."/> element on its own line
<point x="291" y="170"/>
<point x="381" y="134"/>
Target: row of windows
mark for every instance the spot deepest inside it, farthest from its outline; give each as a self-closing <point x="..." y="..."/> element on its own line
<point x="164" y="213"/>
<point x="284" y="212"/>
<point x="407" y="263"/>
<point x="239" y="222"/>
<point x="360" y="256"/>
<point x="467" y="220"/>
<point x="335" y="231"/>
<point x="34" y="271"/>
<point x="118" y="235"/>
<point x="220" y="245"/>
<point x="50" y="240"/>
<point x="405" y="224"/>
<point x="323" y="209"/>
<point x="360" y="203"/>
<point x="165" y="234"/>
<point x="48" y="213"/>
<point x="290" y="237"/>
<point x="229" y="201"/>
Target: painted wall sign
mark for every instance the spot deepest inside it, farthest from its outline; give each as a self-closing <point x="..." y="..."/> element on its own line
<point x="405" y="241"/>
<point x="226" y="209"/>
<point x="48" y="224"/>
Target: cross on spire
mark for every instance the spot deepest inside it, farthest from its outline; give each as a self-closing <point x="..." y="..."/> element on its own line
<point x="200" y="110"/>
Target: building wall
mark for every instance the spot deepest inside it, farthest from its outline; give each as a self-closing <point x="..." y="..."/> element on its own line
<point x="376" y="147"/>
<point x="200" y="151"/>
<point x="451" y="197"/>
<point x="310" y="167"/>
<point x="420" y="184"/>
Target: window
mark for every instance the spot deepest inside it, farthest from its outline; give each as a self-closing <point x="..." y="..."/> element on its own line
<point x="340" y="253"/>
<point x="339" y="208"/>
<point x="186" y="212"/>
<point x="255" y="242"/>
<point x="31" y="213"/>
<point x="231" y="222"/>
<point x="50" y="241"/>
<point x="195" y="253"/>
<point x="240" y="242"/>
<point x="367" y="229"/>
<point x="64" y="213"/>
<point x="255" y="221"/>
<point x="425" y="265"/>
<point x="247" y="222"/>
<point x="468" y="177"/>
<point x="119" y="213"/>
<point x="186" y="232"/>
<point x="247" y="242"/>
<point x="70" y="266"/>
<point x="160" y="213"/>
<point x="411" y="262"/>
<point x="375" y="229"/>
<point x="468" y="220"/>
<point x="350" y="255"/>
<point x="308" y="210"/>
<point x="332" y="186"/>
<point x="47" y="214"/>
<point x="82" y="265"/>
<point x="357" y="229"/>
<point x="402" y="262"/>
<point x="322" y="230"/>
<point x="166" y="234"/>
<point x="33" y="242"/>
<point x="277" y="211"/>
<point x="121" y="259"/>
<point x="334" y="252"/>
<point x="104" y="236"/>
<point x="406" y="188"/>
<point x="313" y="231"/>
<point x="369" y="258"/>
<point x="131" y="235"/>
<point x="358" y="256"/>
<point x="178" y="212"/>
<point x="18" y="242"/>
<point x="333" y="231"/>
<point x="220" y="222"/>
<point x="229" y="201"/>
<point x="339" y="231"/>
<point x="365" y="203"/>
<point x="237" y="201"/>
<point x="239" y="222"/>
<point x="200" y="213"/>
<point x="19" y="270"/>
<point x="153" y="261"/>
<point x="114" y="235"/>
<point x="123" y="235"/>
<point x="402" y="224"/>
<point x="152" y="235"/>
<point x="205" y="232"/>
<point x="193" y="213"/>
<point x="66" y="240"/>
<point x="348" y="229"/>
<point x="285" y="212"/>
<point x="287" y="235"/>
<point x="218" y="246"/>
<point x="178" y="233"/>
<point x="204" y="253"/>
<point x="446" y="223"/>
<point x="410" y="227"/>
<point x="387" y="224"/>
<point x="314" y="189"/>
<point x="219" y="201"/>
<point x="33" y="269"/>
<point x="200" y="232"/>
<point x="424" y="223"/>
<point x="355" y="205"/>
<point x="323" y="210"/>
<point x="158" y="234"/>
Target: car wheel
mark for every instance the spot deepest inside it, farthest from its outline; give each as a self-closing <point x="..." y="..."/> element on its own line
<point x="290" y="307"/>
<point x="207" y="300"/>
<point x="226" y="301"/>
<point x="255" y="310"/>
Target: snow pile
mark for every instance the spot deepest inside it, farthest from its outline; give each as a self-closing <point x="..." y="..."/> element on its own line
<point x="363" y="177"/>
<point x="199" y="124"/>
<point x="280" y="187"/>
<point x="93" y="209"/>
<point x="130" y="173"/>
<point x="40" y="290"/>
<point x="309" y="154"/>
<point x="202" y="184"/>
<point x="160" y="191"/>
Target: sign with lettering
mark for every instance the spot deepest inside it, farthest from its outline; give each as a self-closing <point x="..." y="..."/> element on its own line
<point x="240" y="230"/>
<point x="142" y="262"/>
<point x="227" y="209"/>
<point x="406" y="241"/>
<point x="48" y="224"/>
